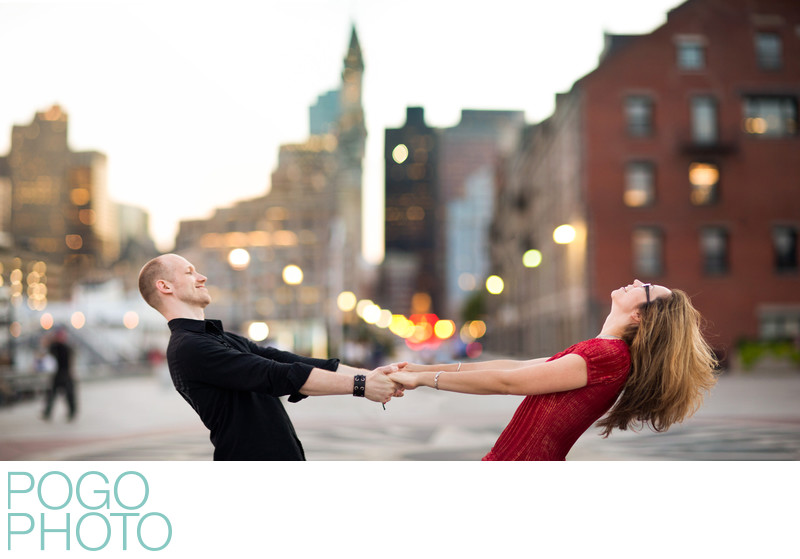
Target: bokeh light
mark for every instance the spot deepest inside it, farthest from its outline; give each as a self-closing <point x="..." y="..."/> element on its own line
<point x="474" y="350"/>
<point x="371" y="314"/>
<point x="78" y="320"/>
<point x="239" y="258"/>
<point x="130" y="320"/>
<point x="46" y="321"/>
<point x="258" y="331"/>
<point x="444" y="329"/>
<point x="385" y="319"/>
<point x="564" y="234"/>
<point x="292" y="274"/>
<point x="495" y="285"/>
<point x="346" y="301"/>
<point x="532" y="258"/>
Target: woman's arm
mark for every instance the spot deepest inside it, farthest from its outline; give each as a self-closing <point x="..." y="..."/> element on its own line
<point x="494" y="365"/>
<point x="536" y="377"/>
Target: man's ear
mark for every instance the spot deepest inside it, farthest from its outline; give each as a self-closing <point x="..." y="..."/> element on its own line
<point x="163" y="286"/>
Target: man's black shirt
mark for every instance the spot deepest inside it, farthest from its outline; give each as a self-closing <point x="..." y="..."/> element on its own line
<point x="234" y="385"/>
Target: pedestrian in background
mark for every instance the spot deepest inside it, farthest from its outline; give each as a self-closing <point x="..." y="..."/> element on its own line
<point x="62" y="378"/>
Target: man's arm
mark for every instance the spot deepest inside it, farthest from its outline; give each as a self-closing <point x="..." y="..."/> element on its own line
<point x="282" y="356"/>
<point x="379" y="387"/>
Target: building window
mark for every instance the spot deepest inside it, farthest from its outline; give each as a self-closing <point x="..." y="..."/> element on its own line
<point x="639" y="115"/>
<point x="769" y="51"/>
<point x="779" y="324"/>
<point x="639" y="184"/>
<point x="648" y="249"/>
<point x="714" y="247"/>
<point x="691" y="53"/>
<point x="704" y="120"/>
<point x="770" y="116"/>
<point x="784" y="242"/>
<point x="704" y="181"/>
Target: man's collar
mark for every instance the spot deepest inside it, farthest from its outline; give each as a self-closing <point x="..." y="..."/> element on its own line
<point x="194" y="325"/>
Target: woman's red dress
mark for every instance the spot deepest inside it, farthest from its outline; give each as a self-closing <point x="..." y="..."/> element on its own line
<point x="545" y="426"/>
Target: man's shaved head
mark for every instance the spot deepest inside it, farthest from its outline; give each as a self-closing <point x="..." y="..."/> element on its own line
<point x="158" y="268"/>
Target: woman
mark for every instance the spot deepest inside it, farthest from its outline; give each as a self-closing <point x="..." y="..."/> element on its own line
<point x="650" y="358"/>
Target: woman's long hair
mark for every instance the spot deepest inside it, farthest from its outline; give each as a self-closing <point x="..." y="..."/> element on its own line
<point x="672" y="367"/>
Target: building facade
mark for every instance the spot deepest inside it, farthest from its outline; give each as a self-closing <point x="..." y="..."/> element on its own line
<point x="412" y="270"/>
<point x="309" y="221"/>
<point x="468" y="156"/>
<point x="676" y="162"/>
<point x="58" y="206"/>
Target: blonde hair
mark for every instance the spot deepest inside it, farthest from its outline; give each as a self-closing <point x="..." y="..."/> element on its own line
<point x="672" y="367"/>
<point x="151" y="272"/>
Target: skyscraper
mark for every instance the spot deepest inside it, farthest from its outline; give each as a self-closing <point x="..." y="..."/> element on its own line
<point x="411" y="271"/>
<point x="59" y="207"/>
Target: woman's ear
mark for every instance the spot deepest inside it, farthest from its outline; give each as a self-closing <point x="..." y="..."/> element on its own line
<point x="636" y="317"/>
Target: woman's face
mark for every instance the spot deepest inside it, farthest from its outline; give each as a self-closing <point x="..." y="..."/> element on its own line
<point x="631" y="296"/>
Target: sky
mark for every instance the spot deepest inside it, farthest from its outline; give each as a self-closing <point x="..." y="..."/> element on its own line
<point x="190" y="101"/>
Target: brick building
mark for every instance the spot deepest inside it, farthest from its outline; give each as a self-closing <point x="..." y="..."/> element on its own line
<point x="677" y="161"/>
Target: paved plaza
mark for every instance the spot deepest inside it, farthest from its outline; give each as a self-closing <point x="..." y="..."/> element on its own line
<point x="746" y="417"/>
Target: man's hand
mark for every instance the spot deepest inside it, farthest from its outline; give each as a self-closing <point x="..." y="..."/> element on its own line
<point x="380" y="388"/>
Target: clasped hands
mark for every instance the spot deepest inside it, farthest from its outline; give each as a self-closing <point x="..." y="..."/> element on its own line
<point x="390" y="381"/>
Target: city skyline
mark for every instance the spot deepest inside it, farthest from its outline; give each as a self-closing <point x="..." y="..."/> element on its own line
<point x="191" y="106"/>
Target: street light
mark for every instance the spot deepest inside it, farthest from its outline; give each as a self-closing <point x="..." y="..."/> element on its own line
<point x="292" y="275"/>
<point x="239" y="260"/>
<point x="564" y="234"/>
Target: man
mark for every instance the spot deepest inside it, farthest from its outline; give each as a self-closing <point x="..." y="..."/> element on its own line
<point x="232" y="383"/>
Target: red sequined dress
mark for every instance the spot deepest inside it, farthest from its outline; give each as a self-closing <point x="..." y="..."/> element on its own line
<point x="545" y="426"/>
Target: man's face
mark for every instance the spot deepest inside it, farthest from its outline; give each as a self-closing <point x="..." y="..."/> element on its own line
<point x="188" y="285"/>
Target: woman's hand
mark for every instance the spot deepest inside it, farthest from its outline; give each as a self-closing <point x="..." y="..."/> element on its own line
<point x="413" y="368"/>
<point x="408" y="380"/>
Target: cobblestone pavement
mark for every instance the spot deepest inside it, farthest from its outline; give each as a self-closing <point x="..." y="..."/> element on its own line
<point x="744" y="418"/>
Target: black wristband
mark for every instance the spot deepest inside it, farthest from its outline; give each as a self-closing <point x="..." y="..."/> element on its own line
<point x="360" y="385"/>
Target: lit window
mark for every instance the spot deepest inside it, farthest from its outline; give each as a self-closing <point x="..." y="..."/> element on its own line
<point x="704" y="181"/>
<point x="74" y="242"/>
<point x="770" y="116"/>
<point x="691" y="54"/>
<point x="639" y="184"/>
<point x="714" y="246"/>
<point x="400" y="153"/>
<point x="639" y="115"/>
<point x="79" y="196"/>
<point x="769" y="51"/>
<point x="648" y="249"/>
<point x="784" y="241"/>
<point x="704" y="120"/>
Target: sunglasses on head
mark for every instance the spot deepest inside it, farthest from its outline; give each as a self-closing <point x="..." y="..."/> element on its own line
<point x="647" y="287"/>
